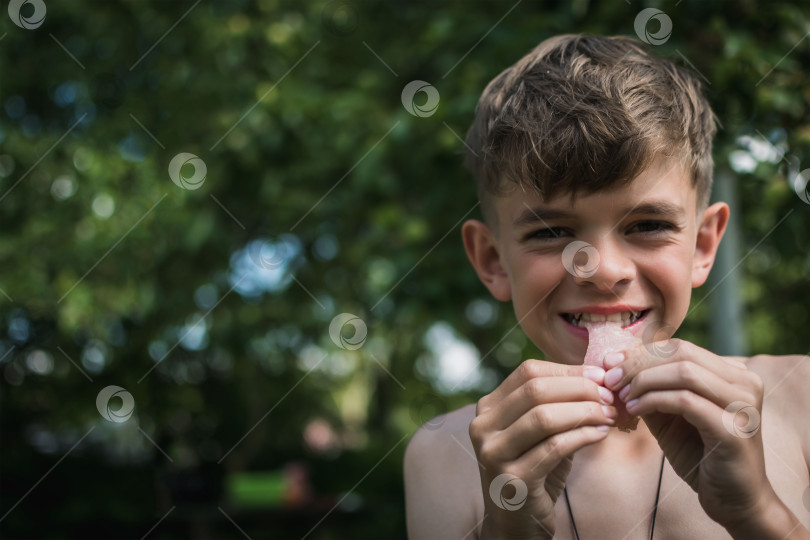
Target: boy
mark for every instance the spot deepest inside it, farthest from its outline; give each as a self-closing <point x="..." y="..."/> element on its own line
<point x="593" y="143"/>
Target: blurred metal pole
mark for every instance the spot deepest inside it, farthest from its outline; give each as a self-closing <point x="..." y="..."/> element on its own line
<point x="726" y="325"/>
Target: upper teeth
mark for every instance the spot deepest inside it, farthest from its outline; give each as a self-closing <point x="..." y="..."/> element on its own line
<point x="625" y="317"/>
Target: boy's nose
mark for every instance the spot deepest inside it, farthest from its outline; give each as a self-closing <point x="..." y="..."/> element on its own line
<point x="604" y="264"/>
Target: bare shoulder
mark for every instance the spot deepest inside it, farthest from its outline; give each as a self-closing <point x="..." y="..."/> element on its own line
<point x="784" y="377"/>
<point x="442" y="482"/>
<point x="785" y="380"/>
<point x="441" y="438"/>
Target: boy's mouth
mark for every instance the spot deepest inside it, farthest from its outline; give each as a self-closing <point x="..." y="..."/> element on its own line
<point x="625" y="317"/>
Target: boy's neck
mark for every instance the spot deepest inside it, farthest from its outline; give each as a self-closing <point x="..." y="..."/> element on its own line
<point x="623" y="447"/>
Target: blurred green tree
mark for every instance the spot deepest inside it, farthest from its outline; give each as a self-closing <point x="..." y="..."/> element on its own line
<point x="209" y="299"/>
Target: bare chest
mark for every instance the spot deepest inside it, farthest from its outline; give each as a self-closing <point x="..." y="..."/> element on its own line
<point x="627" y="510"/>
<point x="618" y="504"/>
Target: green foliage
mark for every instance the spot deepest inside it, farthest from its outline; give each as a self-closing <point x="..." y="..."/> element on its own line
<point x="111" y="267"/>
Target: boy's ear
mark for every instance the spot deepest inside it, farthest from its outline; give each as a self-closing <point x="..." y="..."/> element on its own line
<point x="710" y="232"/>
<point x="482" y="250"/>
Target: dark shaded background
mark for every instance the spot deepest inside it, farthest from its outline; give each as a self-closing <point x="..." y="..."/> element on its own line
<point x="323" y="196"/>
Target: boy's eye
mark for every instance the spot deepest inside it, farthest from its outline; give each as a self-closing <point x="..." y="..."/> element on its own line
<point x="549" y="233"/>
<point x="652" y="227"/>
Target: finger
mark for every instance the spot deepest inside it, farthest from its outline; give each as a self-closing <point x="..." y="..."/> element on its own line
<point x="531" y="369"/>
<point x="734" y="362"/>
<point x="544" y="390"/>
<point x="544" y="421"/>
<point x="681" y="375"/>
<point x="541" y="459"/>
<point x="630" y="362"/>
<point x="740" y="421"/>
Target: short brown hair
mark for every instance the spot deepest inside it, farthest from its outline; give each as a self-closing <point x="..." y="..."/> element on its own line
<point x="582" y="113"/>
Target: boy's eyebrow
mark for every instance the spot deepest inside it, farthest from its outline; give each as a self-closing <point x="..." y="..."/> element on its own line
<point x="657" y="208"/>
<point x="531" y="216"/>
<point x="534" y="215"/>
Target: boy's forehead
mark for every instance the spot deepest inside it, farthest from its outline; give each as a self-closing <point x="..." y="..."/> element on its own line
<point x="664" y="187"/>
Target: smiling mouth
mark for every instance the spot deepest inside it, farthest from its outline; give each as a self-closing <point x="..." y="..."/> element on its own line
<point x="626" y="318"/>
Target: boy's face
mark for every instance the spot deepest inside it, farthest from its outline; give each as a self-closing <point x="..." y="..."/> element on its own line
<point x="648" y="245"/>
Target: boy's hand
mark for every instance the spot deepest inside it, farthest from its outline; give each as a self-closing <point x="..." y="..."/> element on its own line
<point x="705" y="411"/>
<point x="524" y="435"/>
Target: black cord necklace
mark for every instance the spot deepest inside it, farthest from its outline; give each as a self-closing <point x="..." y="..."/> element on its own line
<point x="655" y="508"/>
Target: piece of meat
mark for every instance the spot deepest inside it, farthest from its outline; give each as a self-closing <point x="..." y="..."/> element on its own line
<point x="603" y="338"/>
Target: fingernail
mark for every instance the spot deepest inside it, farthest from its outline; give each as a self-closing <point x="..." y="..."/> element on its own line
<point x="605" y="394"/>
<point x="613" y="359"/>
<point x="631" y="404"/>
<point x="594" y="373"/>
<point x="603" y="428"/>
<point x="613" y="376"/>
<point x="623" y="392"/>
<point x="609" y="412"/>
